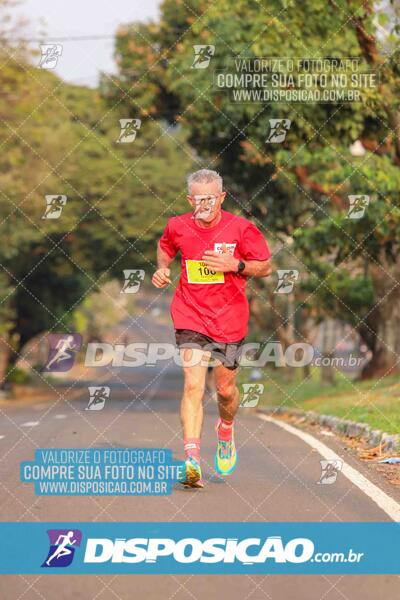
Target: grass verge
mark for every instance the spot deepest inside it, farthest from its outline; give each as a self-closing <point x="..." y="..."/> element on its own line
<point x="375" y="402"/>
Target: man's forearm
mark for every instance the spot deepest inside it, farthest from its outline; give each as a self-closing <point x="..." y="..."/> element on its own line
<point x="257" y="268"/>
<point x="163" y="259"/>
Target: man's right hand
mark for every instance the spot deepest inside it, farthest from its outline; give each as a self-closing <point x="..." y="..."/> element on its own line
<point x="161" y="278"/>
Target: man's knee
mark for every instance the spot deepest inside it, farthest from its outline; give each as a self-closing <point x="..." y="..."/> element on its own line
<point x="193" y="386"/>
<point x="226" y="391"/>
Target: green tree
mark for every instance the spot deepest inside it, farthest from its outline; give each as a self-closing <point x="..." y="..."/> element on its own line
<point x="298" y="190"/>
<point x="60" y="139"/>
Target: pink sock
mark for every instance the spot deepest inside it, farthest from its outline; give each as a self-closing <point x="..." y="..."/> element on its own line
<point x="192" y="448"/>
<point x="225" y="430"/>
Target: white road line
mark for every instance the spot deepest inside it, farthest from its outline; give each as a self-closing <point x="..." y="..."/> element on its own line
<point x="385" y="502"/>
<point x="30" y="424"/>
<point x="60" y="416"/>
<point x="2" y="436"/>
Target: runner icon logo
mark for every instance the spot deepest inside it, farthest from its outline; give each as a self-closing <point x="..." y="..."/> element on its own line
<point x="62" y="547"/>
<point x="202" y="55"/>
<point x="129" y="129"/>
<point x="278" y="130"/>
<point x="286" y="280"/>
<point x="358" y="205"/>
<point x="54" y="205"/>
<point x="329" y="471"/>
<point x="50" y="55"/>
<point x="133" y="279"/>
<point x="251" y="394"/>
<point x="97" y="397"/>
<point x="62" y="350"/>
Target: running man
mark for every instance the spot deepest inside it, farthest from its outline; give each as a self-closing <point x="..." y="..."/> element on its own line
<point x="62" y="544"/>
<point x="63" y="347"/>
<point x="210" y="311"/>
<point x="100" y="395"/>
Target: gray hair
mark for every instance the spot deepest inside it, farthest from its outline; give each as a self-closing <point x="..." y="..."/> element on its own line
<point x="204" y="176"/>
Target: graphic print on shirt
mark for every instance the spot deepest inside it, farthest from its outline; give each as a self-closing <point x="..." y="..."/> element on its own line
<point x="218" y="247"/>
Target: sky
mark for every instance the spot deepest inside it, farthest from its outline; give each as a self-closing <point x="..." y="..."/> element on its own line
<point x="81" y="61"/>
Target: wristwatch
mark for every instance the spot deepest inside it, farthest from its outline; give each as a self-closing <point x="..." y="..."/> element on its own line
<point x="241" y="266"/>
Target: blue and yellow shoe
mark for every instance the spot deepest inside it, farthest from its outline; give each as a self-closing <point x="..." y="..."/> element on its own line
<point x="225" y="458"/>
<point x="193" y="474"/>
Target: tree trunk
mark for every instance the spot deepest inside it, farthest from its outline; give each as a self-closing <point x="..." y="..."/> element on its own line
<point x="381" y="329"/>
<point x="328" y="351"/>
<point x="8" y="359"/>
<point x="305" y="324"/>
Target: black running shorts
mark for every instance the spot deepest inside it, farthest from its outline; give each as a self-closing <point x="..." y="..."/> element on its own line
<point x="228" y="354"/>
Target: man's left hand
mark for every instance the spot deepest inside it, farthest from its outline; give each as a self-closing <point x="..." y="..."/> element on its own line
<point x="223" y="263"/>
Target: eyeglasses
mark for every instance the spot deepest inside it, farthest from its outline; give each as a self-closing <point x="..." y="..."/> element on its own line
<point x="207" y="199"/>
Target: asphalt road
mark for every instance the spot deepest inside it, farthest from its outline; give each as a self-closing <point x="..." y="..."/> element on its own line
<point x="276" y="480"/>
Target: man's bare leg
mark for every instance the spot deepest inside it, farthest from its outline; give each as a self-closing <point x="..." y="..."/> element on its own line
<point x="227" y="392"/>
<point x="192" y="399"/>
<point x="228" y="404"/>
<point x="192" y="409"/>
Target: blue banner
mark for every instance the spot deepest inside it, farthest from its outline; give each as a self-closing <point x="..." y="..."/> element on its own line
<point x="194" y="548"/>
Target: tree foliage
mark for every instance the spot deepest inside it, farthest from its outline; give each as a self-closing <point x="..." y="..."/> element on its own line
<point x="298" y="190"/>
<point x="62" y="139"/>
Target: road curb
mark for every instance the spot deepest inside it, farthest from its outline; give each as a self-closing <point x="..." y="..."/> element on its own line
<point x="351" y="429"/>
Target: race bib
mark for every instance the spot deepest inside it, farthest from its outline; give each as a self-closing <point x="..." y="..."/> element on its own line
<point x="198" y="272"/>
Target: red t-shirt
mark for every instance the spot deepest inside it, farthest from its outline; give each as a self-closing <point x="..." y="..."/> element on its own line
<point x="218" y="310"/>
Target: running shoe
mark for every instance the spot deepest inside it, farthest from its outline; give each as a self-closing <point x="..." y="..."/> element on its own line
<point x="225" y="458"/>
<point x="193" y="474"/>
